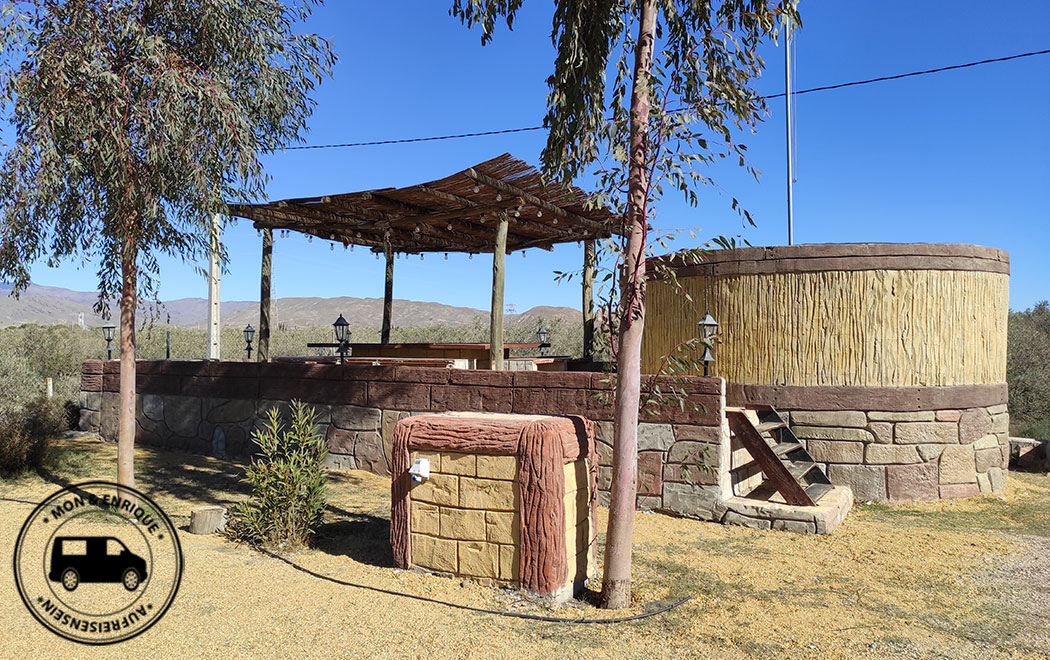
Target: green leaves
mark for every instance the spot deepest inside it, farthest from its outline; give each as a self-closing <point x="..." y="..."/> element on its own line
<point x="141" y="119"/>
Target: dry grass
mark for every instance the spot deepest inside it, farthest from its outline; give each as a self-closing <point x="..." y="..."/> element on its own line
<point x="933" y="580"/>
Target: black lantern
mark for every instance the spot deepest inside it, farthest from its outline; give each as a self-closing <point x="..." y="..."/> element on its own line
<point x="249" y="335"/>
<point x="543" y="336"/>
<point x="708" y="328"/>
<point x="342" y="336"/>
<point x="107" y="334"/>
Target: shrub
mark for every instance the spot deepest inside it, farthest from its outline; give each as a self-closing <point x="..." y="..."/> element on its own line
<point x="287" y="481"/>
<point x="26" y="433"/>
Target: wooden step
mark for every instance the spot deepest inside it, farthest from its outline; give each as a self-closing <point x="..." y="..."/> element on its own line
<point x="817" y="491"/>
<point x="799" y="468"/>
<point x="766" y="427"/>
<point x="784" y="448"/>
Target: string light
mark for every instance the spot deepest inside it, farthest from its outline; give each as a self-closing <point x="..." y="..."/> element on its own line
<point x="539" y="213"/>
<point x="446" y="256"/>
<point x="470" y="256"/>
<point x="332" y="246"/>
<point x="421" y="256"/>
<point x="310" y="238"/>
<point x="499" y="197"/>
<point x="477" y="188"/>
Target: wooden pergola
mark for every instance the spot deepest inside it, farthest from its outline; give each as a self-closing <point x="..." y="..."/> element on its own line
<point x="498" y="206"/>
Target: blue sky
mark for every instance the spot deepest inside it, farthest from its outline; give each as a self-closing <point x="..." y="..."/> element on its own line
<point x="958" y="157"/>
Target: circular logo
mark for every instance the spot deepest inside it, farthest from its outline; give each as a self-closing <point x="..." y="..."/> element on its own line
<point x="98" y="563"/>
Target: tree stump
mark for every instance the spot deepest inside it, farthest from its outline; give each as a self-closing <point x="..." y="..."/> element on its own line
<point x="207" y="519"/>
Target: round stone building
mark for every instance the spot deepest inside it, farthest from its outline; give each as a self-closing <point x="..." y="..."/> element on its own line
<point x="889" y="359"/>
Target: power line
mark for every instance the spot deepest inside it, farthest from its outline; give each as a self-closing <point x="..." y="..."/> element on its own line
<point x="505" y="131"/>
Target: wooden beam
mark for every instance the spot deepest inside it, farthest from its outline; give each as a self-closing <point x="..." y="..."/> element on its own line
<point x="499" y="256"/>
<point x="263" y="333"/>
<point x="601" y="228"/>
<point x="512" y="202"/>
<point x="388" y="294"/>
<point x="588" y="299"/>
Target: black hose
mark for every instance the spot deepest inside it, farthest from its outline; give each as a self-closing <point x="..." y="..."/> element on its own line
<point x="435" y="601"/>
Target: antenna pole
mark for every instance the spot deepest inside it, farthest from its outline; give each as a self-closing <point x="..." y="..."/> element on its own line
<point x="787" y="105"/>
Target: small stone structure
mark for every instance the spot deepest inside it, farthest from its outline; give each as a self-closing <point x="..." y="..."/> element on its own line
<point x="890" y="359"/>
<point x="509" y="499"/>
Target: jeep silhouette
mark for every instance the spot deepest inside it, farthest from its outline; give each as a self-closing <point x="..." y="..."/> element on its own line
<point x="76" y="559"/>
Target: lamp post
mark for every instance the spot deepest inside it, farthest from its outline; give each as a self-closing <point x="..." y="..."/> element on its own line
<point x="249" y="335"/>
<point x="342" y="336"/>
<point x="107" y="334"/>
<point x="543" y="336"/>
<point x="708" y="329"/>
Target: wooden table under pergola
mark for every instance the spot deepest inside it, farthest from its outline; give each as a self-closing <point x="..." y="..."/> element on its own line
<point x="498" y="206"/>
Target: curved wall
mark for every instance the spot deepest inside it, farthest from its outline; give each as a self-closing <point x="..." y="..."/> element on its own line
<point x="890" y="358"/>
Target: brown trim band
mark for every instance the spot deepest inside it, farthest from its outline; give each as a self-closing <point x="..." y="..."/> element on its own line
<point x="890" y="399"/>
<point x="845" y="257"/>
<point x="542" y="445"/>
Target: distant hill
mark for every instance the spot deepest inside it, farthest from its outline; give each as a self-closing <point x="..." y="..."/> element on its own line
<point x="57" y="306"/>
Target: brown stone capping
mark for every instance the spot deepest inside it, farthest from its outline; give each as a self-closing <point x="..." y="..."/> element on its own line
<point x="542" y="446"/>
<point x="846" y="257"/>
<point x="890" y="399"/>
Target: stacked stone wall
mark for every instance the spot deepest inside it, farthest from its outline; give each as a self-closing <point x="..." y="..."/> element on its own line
<point x="213" y="407"/>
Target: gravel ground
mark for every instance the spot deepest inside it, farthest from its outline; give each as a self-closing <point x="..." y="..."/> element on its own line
<point x="927" y="580"/>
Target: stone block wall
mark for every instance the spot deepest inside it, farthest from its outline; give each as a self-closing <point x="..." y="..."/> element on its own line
<point x="910" y="455"/>
<point x="213" y="407"/>
<point x="465" y="517"/>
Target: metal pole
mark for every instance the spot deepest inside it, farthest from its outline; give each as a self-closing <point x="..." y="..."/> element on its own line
<point x="213" y="289"/>
<point x="787" y="105"/>
<point x="167" y="345"/>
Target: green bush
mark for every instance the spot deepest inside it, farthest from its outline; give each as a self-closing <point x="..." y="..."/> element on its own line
<point x="26" y="433"/>
<point x="1028" y="370"/>
<point x="288" y="483"/>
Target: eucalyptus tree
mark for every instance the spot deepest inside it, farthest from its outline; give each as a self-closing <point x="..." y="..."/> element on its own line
<point x="688" y="67"/>
<point x="131" y="122"/>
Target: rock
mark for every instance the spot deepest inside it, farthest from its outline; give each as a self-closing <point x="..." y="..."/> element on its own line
<point x="882" y="431"/>
<point x="930" y="452"/>
<point x="997" y="477"/>
<point x="605" y="454"/>
<point x="650" y="473"/>
<point x="986" y="442"/>
<point x="369" y="454"/>
<point x="957" y="465"/>
<point x="891" y="454"/>
<point x="91" y="400"/>
<point x="693" y="501"/>
<point x="603" y="432"/>
<point x="340" y="441"/>
<point x="835" y="451"/>
<point x="912" y="482"/>
<point x="841" y="418"/>
<point x="987" y="458"/>
<point x="950" y="491"/>
<point x="917" y="416"/>
<point x="868" y="482"/>
<point x="109" y="419"/>
<point x="218" y="443"/>
<point x="357" y="418"/>
<point x="995" y="410"/>
<point x="153" y="407"/>
<point x="654" y="436"/>
<point x="796" y="526"/>
<point x="734" y="518"/>
<point x="207" y="519"/>
<point x="709" y="434"/>
<point x="983" y="484"/>
<point x="974" y="424"/>
<point x="833" y="433"/>
<point x="182" y="414"/>
<point x="342" y="462"/>
<point x="230" y="411"/>
<point x="604" y="478"/>
<point x="941" y="433"/>
<point x="89" y="420"/>
<point x="948" y="415"/>
<point x="1001" y="423"/>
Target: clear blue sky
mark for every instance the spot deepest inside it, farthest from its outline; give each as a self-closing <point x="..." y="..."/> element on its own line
<point x="957" y="157"/>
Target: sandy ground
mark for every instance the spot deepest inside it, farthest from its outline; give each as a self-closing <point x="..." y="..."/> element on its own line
<point x="963" y="579"/>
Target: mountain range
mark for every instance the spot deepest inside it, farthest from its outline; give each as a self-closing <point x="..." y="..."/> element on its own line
<point x="48" y="305"/>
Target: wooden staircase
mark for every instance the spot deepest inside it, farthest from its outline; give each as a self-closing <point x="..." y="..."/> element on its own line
<point x="776" y="454"/>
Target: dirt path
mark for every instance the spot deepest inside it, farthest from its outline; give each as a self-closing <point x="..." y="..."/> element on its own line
<point x="936" y="580"/>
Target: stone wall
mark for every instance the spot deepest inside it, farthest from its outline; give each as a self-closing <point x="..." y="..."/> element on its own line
<point x="909" y="455"/>
<point x="212" y="407"/>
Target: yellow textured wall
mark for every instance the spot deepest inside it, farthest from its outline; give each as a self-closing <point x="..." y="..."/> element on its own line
<point x="864" y="328"/>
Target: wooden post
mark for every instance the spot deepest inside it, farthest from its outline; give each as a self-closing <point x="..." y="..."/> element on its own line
<point x="263" y="354"/>
<point x="499" y="257"/>
<point x="388" y="292"/>
<point x="588" y="299"/>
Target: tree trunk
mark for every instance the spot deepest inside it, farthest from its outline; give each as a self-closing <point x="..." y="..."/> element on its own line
<point x="616" y="581"/>
<point x="128" y="302"/>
